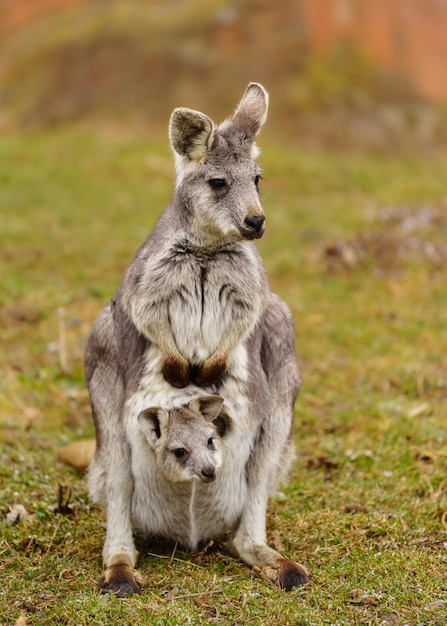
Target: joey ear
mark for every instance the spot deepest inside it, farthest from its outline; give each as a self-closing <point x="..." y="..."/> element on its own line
<point x="191" y="133"/>
<point x="223" y="423"/>
<point x="251" y="112"/>
<point x="153" y="422"/>
<point x="208" y="406"/>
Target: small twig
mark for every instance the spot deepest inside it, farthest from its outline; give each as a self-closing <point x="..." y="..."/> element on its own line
<point x="156" y="596"/>
<point x="228" y="579"/>
<point x="63" y="501"/>
<point x="171" y="559"/>
<point x="194" y="595"/>
<point x="205" y="548"/>
<point x="54" y="535"/>
<point x="7" y="546"/>
<point x="173" y="552"/>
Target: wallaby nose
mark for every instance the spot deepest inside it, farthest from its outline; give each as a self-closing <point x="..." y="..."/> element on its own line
<point x="208" y="474"/>
<point x="255" y="222"/>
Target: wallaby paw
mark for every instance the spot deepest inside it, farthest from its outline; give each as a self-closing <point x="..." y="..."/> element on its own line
<point x="291" y="574"/>
<point x="284" y="573"/>
<point x="176" y="372"/>
<point x="209" y="372"/>
<point x="121" y="580"/>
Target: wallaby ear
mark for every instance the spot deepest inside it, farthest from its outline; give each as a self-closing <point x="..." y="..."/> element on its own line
<point x="153" y="422"/>
<point x="251" y="112"/>
<point x="191" y="133"/>
<point x="208" y="406"/>
<point x="223" y="423"/>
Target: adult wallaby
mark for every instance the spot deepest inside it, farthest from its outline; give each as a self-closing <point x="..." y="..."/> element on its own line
<point x="193" y="313"/>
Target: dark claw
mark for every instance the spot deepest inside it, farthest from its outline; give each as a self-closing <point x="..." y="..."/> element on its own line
<point x="119" y="581"/>
<point x="291" y="575"/>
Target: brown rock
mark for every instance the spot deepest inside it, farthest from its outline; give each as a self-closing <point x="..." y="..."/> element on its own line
<point x="77" y="454"/>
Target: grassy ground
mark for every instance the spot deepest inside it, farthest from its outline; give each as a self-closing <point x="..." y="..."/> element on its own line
<point x="357" y="246"/>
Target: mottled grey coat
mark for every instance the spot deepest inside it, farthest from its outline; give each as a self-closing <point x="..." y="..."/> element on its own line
<point x="194" y="315"/>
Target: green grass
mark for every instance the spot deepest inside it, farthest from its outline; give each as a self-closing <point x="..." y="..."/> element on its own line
<point x="366" y="505"/>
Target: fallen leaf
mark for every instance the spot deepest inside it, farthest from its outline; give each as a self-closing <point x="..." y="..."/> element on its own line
<point x="32" y="415"/>
<point x="426" y="455"/>
<point x="366" y="599"/>
<point x="16" y="513"/>
<point x="203" y="602"/>
<point x="418" y="409"/>
<point x="354" y="507"/>
<point x="435" y="606"/>
<point x="77" y="454"/>
<point x="321" y="462"/>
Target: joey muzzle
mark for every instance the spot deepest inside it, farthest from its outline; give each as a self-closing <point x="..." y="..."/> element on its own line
<point x="208" y="474"/>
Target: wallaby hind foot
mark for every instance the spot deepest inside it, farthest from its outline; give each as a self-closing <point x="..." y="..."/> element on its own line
<point x="120" y="578"/>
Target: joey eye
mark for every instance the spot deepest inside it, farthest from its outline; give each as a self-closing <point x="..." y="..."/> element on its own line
<point x="217" y="183"/>
<point x="211" y="441"/>
<point x="258" y="177"/>
<point x="179" y="453"/>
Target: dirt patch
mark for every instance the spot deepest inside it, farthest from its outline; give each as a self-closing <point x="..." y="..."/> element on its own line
<point x="401" y="237"/>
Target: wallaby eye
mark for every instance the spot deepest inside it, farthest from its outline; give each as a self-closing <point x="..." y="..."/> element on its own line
<point x="217" y="183"/>
<point x="179" y="453"/>
<point x="211" y="442"/>
<point x="258" y="177"/>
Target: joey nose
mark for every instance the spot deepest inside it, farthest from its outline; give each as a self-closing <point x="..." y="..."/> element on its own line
<point x="208" y="474"/>
<point x="255" y="222"/>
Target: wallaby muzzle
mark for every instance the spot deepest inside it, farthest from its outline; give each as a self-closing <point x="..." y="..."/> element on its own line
<point x="207" y="475"/>
<point x="255" y="227"/>
<point x="255" y="222"/>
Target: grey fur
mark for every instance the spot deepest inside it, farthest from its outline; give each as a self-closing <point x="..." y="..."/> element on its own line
<point x="194" y="314"/>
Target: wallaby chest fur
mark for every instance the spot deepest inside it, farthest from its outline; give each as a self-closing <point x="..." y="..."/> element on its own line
<point x="205" y="294"/>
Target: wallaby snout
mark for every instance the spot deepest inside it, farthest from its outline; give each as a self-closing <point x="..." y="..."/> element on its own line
<point x="256" y="223"/>
<point x="208" y="474"/>
<point x="253" y="226"/>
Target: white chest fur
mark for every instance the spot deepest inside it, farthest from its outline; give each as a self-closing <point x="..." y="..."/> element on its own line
<point x="202" y="298"/>
<point x="202" y="309"/>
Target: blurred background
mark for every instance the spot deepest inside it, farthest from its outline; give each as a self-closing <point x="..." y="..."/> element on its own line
<point x="341" y="72"/>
